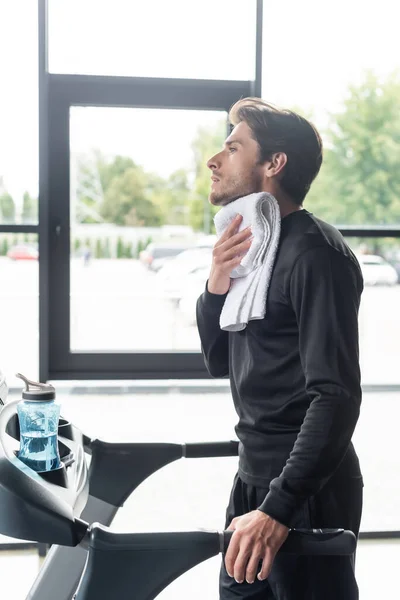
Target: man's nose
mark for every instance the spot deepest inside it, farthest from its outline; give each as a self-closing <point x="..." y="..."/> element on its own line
<point x="212" y="162"/>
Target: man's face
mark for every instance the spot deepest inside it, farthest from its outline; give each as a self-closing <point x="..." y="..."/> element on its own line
<point x="236" y="171"/>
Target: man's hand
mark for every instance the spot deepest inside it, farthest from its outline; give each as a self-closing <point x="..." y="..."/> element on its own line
<point x="257" y="537"/>
<point x="227" y="254"/>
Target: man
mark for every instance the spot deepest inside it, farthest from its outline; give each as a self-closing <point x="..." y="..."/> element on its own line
<point x="294" y="375"/>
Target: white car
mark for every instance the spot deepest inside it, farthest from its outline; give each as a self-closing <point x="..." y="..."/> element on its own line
<point x="173" y="277"/>
<point x="376" y="270"/>
<point x="195" y="286"/>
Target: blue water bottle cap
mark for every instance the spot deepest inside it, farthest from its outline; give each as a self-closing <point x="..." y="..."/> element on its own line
<point x="36" y="391"/>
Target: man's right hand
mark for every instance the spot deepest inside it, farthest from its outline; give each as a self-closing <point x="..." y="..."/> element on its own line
<point x="227" y="254"/>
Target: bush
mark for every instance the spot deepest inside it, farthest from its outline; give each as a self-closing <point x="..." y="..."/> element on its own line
<point x="4" y="247"/>
<point x="98" y="253"/>
<point x="129" y="250"/>
<point x="120" y="248"/>
<point x="107" y="248"/>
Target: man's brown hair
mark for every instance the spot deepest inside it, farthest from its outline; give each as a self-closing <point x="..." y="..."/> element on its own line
<point x="281" y="130"/>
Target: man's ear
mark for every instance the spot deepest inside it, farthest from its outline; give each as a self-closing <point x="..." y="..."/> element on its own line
<point x="276" y="164"/>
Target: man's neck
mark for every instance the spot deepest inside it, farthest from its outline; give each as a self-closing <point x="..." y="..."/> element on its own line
<point x="286" y="208"/>
<point x="286" y="204"/>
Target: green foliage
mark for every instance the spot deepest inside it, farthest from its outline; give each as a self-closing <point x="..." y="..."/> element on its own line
<point x="126" y="201"/>
<point x="172" y="198"/>
<point x="7" y="208"/>
<point x="120" y="248"/>
<point x="128" y="250"/>
<point x="29" y="209"/>
<point x="4" y="247"/>
<point x="98" y="253"/>
<point x="106" y="248"/>
<point x="359" y="182"/>
<point x="121" y="192"/>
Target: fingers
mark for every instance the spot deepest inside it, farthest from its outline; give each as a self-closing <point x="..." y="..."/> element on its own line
<point x="242" y="560"/>
<point x="240" y="564"/>
<point x="223" y="255"/>
<point x="252" y="566"/>
<point x="246" y="563"/>
<point x="232" y="227"/>
<point x="233" y="240"/>
<point x="266" y="564"/>
<point x="231" y="554"/>
<point x="232" y="525"/>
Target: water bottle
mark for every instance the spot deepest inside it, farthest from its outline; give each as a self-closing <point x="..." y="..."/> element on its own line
<point x="38" y="416"/>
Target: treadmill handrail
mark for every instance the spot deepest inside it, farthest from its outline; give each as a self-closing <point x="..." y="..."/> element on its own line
<point x="125" y="465"/>
<point x="311" y="542"/>
<point x="121" y="565"/>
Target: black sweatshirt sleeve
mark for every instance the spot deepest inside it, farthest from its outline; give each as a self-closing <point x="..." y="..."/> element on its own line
<point x="214" y="341"/>
<point x="325" y="290"/>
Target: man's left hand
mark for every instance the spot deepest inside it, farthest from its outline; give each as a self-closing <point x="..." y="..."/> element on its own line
<point x="256" y="537"/>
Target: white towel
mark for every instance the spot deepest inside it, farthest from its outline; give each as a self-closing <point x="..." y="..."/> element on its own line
<point x="247" y="296"/>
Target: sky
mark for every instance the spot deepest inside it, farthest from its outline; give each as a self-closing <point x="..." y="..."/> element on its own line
<point x="312" y="51"/>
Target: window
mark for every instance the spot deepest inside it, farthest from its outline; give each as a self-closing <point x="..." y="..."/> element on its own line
<point x="140" y="225"/>
<point x="18" y="113"/>
<point x="175" y="39"/>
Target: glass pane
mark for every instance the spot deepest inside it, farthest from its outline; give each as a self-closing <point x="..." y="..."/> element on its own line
<point x="154" y="38"/>
<point x="346" y="79"/>
<point x="140" y="225"/>
<point x="18" y="113"/>
<point x="379" y="320"/>
<point x="19" y="300"/>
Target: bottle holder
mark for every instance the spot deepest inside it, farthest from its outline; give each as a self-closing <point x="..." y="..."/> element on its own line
<point x="57" y="476"/>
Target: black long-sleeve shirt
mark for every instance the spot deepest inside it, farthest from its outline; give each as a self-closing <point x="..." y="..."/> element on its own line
<point x="294" y="375"/>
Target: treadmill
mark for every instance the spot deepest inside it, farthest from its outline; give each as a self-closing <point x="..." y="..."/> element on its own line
<point x="71" y="509"/>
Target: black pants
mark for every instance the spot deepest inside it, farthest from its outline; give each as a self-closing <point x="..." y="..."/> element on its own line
<point x="338" y="504"/>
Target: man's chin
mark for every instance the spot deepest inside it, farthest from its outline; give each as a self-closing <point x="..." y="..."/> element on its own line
<point x="218" y="200"/>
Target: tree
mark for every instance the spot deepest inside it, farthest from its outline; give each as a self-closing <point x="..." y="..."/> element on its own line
<point x="126" y="192"/>
<point x="172" y="197"/>
<point x="120" y="248"/>
<point x="89" y="193"/>
<point x="360" y="179"/>
<point x="4" y="247"/>
<point x="209" y="141"/>
<point x="29" y="208"/>
<point x="7" y="208"/>
<point x="114" y="169"/>
<point x="116" y="190"/>
<point x="98" y="252"/>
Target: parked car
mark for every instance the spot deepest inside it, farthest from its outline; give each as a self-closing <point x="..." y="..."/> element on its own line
<point x="173" y="276"/>
<point x="156" y="255"/>
<point x="195" y="286"/>
<point x="23" y="252"/>
<point x="396" y="266"/>
<point x="376" y="270"/>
